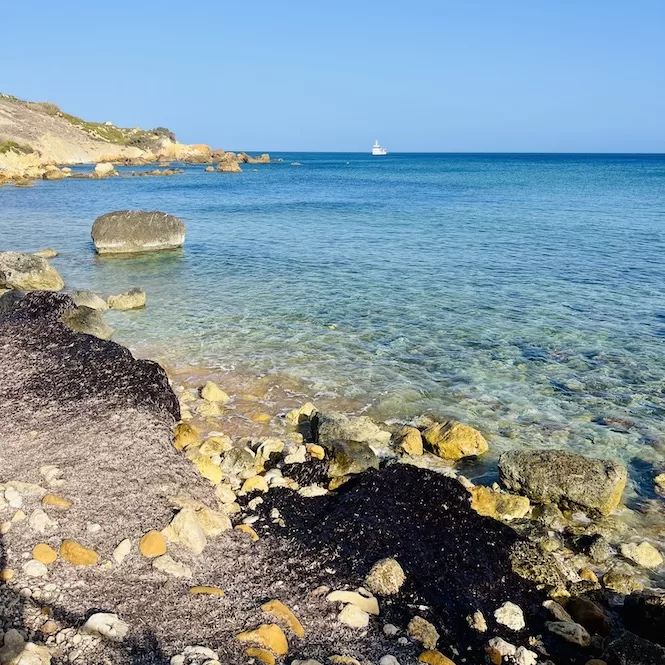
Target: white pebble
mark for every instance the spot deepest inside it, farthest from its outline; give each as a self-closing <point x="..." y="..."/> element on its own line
<point x="389" y="660"/>
<point x="511" y="616"/>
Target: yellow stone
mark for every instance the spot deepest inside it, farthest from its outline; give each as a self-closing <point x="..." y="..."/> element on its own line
<point x="335" y="483"/>
<point x="18" y="516"/>
<point x="215" y="445"/>
<point x="207" y="469"/>
<point x="433" y="657"/>
<point x="342" y="660"/>
<point x="185" y="435"/>
<point x="254" y="484"/>
<point x="210" y="409"/>
<point x="453" y="440"/>
<point x="410" y="440"/>
<point x="44" y="554"/>
<point x="588" y="575"/>
<point x="6" y="574"/>
<point x="260" y="654"/>
<point x="248" y="529"/>
<point x="206" y="591"/>
<point x="75" y="553"/>
<point x="499" y="505"/>
<point x="213" y="393"/>
<point x="281" y="612"/>
<point x="261" y="418"/>
<point x="55" y="500"/>
<point x="316" y="451"/>
<point x="152" y="544"/>
<point x="267" y="635"/>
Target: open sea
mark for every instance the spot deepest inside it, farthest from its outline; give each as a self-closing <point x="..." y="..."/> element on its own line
<point x="522" y="294"/>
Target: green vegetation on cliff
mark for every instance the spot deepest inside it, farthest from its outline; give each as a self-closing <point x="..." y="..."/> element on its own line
<point x="6" y="146"/>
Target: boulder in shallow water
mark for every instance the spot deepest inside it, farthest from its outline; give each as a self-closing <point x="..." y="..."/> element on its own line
<point x="133" y="231"/>
<point x="104" y="170"/>
<point x="27" y="272"/>
<point x="453" y="440"/>
<point x="567" y="479"/>
<point x="88" y="321"/>
<point x="229" y="167"/>
<point x="351" y="457"/>
<point x="88" y="299"/>
<point x="134" y="299"/>
<point x="334" y="426"/>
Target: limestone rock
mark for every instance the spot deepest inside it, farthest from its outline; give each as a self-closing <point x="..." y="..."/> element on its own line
<point x="132" y="231"/>
<point x="410" y="440"/>
<point x="477" y="621"/>
<point x="353" y="616"/>
<point x="267" y="635"/>
<point x="57" y="501"/>
<point x="433" y="657"/>
<point x="88" y="299"/>
<point x="166" y="564"/>
<point x="567" y="479"/>
<point x="46" y="253"/>
<point x="40" y="522"/>
<point x="228" y="167"/>
<point x="133" y="299"/>
<point x="511" y="616"/>
<point x="336" y="426"/>
<point x="152" y="544"/>
<point x="184" y="435"/>
<point x="27" y="272"/>
<point x="453" y="440"/>
<point x="385" y="578"/>
<point x="238" y="462"/>
<point x="281" y="612"/>
<point x="644" y="554"/>
<point x="213" y="393"/>
<point x="245" y="528"/>
<point x="185" y="530"/>
<point x="263" y="655"/>
<point x="621" y="582"/>
<point x="107" y="625"/>
<point x="208" y="469"/>
<point x="123" y="549"/>
<point x="499" y="505"/>
<point x="104" y="170"/>
<point x="423" y="631"/>
<point x="571" y="632"/>
<point x="365" y="602"/>
<point x="77" y="554"/>
<point x="255" y="484"/>
<point x="34" y="568"/>
<point x="206" y="591"/>
<point x="88" y="321"/>
<point x="350" y="457"/>
<point x="44" y="553"/>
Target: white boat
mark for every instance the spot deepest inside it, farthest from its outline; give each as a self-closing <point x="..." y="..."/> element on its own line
<point x="378" y="149"/>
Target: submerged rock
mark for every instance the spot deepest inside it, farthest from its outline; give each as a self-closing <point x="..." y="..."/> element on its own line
<point x="453" y="440"/>
<point x="567" y="479"/>
<point x="334" y="426"/>
<point x="88" y="299"/>
<point x="27" y="272"/>
<point x="132" y="231"/>
<point x="88" y="321"/>
<point x="133" y="299"/>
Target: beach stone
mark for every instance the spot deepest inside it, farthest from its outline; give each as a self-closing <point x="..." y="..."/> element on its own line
<point x="88" y="321"/>
<point x="659" y="480"/>
<point x="385" y="578"/>
<point x="335" y="426"/>
<point x="27" y="272"/>
<point x="588" y="614"/>
<point x="477" y="621"/>
<point x="46" y="253"/>
<point x="423" y="631"/>
<point x="280" y="611"/>
<point x="215" y="445"/>
<point x="213" y="393"/>
<point x="44" y="553"/>
<point x="77" y="554"/>
<point x="596" y="547"/>
<point x="16" y="651"/>
<point x="245" y="528"/>
<point x="6" y="574"/>
<point x="185" y="530"/>
<point x="184" y="436"/>
<point x="567" y="479"/>
<point x="89" y="299"/>
<point x="316" y="452"/>
<point x="267" y="635"/>
<point x="625" y="648"/>
<point x="297" y="456"/>
<point x="365" y="602"/>
<point x="351" y="615"/>
<point x="410" y="440"/>
<point x="497" y="504"/>
<point x="107" y="625"/>
<point x="166" y="564"/>
<point x="454" y="441"/>
<point x="351" y="457"/>
<point x="206" y="591"/>
<point x="571" y="632"/>
<point x="212" y="522"/>
<point x="621" y="582"/>
<point x="104" y="170"/>
<point x="502" y="648"/>
<point x="388" y="660"/>
<point x="254" y="484"/>
<point x="208" y="469"/>
<point x="132" y="231"/>
<point x="511" y="616"/>
<point x="644" y="554"/>
<point x="225" y="494"/>
<point x="34" y="568"/>
<point x="644" y="615"/>
<point x="262" y="655"/>
<point x="133" y="299"/>
<point x="123" y="549"/>
<point x="152" y="544"/>
<point x="238" y="462"/>
<point x="434" y="657"/>
<point x="40" y="522"/>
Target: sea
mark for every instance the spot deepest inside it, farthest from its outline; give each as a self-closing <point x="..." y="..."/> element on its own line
<point x="523" y="294"/>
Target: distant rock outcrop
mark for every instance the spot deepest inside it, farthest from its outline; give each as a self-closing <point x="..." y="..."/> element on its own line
<point x="132" y="231"/>
<point x="27" y="272"/>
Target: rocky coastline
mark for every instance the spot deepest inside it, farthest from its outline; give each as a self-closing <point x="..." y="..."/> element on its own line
<point x="147" y="520"/>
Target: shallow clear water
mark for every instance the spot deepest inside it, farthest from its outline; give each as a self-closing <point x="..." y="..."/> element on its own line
<point x="524" y="294"/>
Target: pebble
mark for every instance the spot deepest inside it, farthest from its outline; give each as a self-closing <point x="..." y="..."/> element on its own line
<point x="254" y="484"/>
<point x="298" y="456"/>
<point x="423" y="631"/>
<point x="569" y="631"/>
<point x="316" y="451"/>
<point x="152" y="544"/>
<point x="390" y="630"/>
<point x="78" y="555"/>
<point x="386" y="577"/>
<point x="186" y="530"/>
<point x="503" y="648"/>
<point x="267" y="635"/>
<point x="433" y="657"/>
<point x="4" y="528"/>
<point x="13" y="498"/>
<point x="524" y="656"/>
<point x="18" y="516"/>
<point x="6" y="574"/>
<point x="365" y="602"/>
<point x="206" y="591"/>
<point x="225" y="494"/>
<point x="260" y="654"/>
<point x="44" y="553"/>
<point x="312" y="490"/>
<point x="283" y="613"/>
<point x="644" y="554"/>
<point x="477" y="621"/>
<point x="511" y="616"/>
<point x="34" y="568"/>
<point x="170" y="566"/>
<point x="41" y="523"/>
<point x="388" y="660"/>
<point x="123" y="549"/>
<point x="621" y="582"/>
<point x="351" y="615"/>
<point x="248" y="529"/>
<point x="213" y="393"/>
<point x="57" y="501"/>
<point x="108" y="625"/>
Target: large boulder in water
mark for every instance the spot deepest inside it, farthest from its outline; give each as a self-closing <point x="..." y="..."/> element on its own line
<point x="567" y="479"/>
<point x="27" y="272"/>
<point x="133" y="231"/>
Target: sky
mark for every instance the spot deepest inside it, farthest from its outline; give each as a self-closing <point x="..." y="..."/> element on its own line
<point x="315" y="75"/>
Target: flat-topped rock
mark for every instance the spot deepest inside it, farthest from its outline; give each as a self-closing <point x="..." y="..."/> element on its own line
<point x="567" y="479"/>
<point x="134" y="231"/>
<point x="27" y="272"/>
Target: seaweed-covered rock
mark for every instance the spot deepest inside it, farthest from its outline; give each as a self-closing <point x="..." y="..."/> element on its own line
<point x="628" y="649"/>
<point x="567" y="479"/>
<point x="27" y="272"/>
<point x="132" y="231"/>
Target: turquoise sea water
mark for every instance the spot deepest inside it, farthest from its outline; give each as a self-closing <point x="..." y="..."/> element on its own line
<point x="524" y="294"/>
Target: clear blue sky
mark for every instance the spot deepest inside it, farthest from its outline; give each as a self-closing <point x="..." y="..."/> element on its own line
<point x="420" y="75"/>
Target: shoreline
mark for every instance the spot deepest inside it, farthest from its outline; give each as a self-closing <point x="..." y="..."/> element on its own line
<point x="255" y="470"/>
